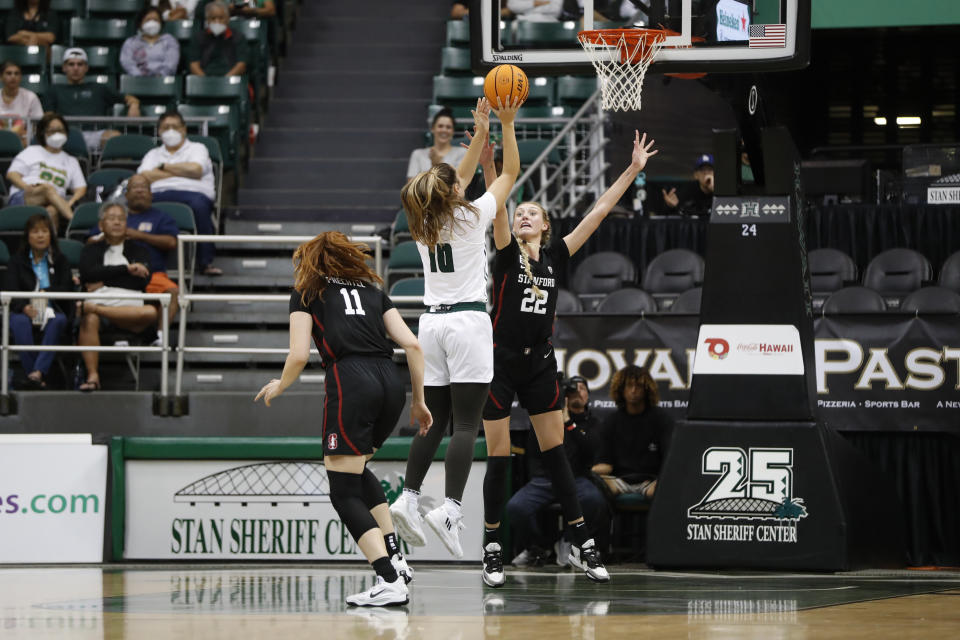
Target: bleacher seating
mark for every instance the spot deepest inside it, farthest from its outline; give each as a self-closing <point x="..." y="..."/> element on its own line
<point x="126" y="151"/>
<point x="896" y="272"/>
<point x="155" y="90"/>
<point x="854" y="300"/>
<point x="103" y="32"/>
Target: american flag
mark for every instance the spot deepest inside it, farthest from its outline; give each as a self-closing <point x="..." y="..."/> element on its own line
<point x="768" y="35"/>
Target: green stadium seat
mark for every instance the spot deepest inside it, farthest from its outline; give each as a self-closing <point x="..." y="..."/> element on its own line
<point x="545" y="35"/>
<point x="71" y="249"/>
<point x="455" y="61"/>
<point x="457" y="91"/>
<point x="126" y="151"/>
<point x="256" y="33"/>
<point x="216" y="158"/>
<point x="113" y="8"/>
<point x="13" y="219"/>
<point x="458" y="33"/>
<point x="155" y="90"/>
<point x="92" y="31"/>
<point x="99" y="59"/>
<point x="208" y="89"/>
<point x="99" y="78"/>
<point x="408" y="287"/>
<point x="77" y="147"/>
<point x="146" y="110"/>
<point x="182" y="30"/>
<point x="400" y="231"/>
<point x="101" y="182"/>
<point x="85" y="217"/>
<point x="181" y="214"/>
<point x="225" y="126"/>
<point x="10" y="144"/>
<point x="34" y="82"/>
<point x="542" y="90"/>
<point x="573" y="91"/>
<point x="404" y="261"/>
<point x="32" y="59"/>
<point x="530" y="149"/>
<point x="68" y="8"/>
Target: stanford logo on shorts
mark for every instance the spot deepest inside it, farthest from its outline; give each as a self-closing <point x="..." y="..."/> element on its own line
<point x="332" y="441"/>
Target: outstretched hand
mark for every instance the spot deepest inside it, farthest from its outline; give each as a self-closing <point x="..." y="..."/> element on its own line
<point x="269" y="391"/>
<point x="641" y="151"/>
<point x="420" y="413"/>
<point x="481" y="116"/>
<point x="507" y="113"/>
<point x="486" y="154"/>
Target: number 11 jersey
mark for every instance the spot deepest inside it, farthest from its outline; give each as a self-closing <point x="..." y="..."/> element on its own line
<point x="347" y="320"/>
<point x="520" y="318"/>
<point x="456" y="269"/>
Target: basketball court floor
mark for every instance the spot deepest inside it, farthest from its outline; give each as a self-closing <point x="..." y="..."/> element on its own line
<point x="449" y="602"/>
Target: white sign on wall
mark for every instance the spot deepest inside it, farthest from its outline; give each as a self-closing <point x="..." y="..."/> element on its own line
<point x="52" y="502"/>
<point x="240" y="509"/>
<point x="748" y="349"/>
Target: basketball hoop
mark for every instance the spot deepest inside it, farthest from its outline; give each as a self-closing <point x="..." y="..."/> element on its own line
<point x="621" y="58"/>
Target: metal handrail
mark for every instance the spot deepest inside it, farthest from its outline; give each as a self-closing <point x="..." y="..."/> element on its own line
<point x="202" y="121"/>
<point x="7" y="296"/>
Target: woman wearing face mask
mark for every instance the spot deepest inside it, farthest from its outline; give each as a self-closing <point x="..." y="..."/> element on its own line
<point x="42" y="174"/>
<point x="218" y="51"/>
<point x="443" y="128"/>
<point x="38" y="265"/>
<point x="150" y="53"/>
<point x="16" y="102"/>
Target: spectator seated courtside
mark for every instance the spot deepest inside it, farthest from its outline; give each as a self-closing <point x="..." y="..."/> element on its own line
<point x="180" y="170"/>
<point x="150" y="52"/>
<point x="155" y="231"/>
<point x="113" y="264"/>
<point x="38" y="266"/>
<point x="81" y="98"/>
<point x="42" y="174"/>
<point x="581" y="444"/>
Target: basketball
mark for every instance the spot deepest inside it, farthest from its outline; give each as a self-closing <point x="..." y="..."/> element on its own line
<point x="507" y="82"/>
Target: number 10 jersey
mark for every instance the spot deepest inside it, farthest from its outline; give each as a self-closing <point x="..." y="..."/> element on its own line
<point x="456" y="269"/>
<point x="520" y="318"/>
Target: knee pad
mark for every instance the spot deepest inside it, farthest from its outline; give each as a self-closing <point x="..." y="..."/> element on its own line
<point x="372" y="490"/>
<point x="346" y="495"/>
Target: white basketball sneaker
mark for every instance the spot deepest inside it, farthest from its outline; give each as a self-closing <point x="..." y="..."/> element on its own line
<point x="587" y="559"/>
<point x="447" y="521"/>
<point x="493" y="565"/>
<point x="403" y="569"/>
<point x="407" y="519"/>
<point x="382" y="594"/>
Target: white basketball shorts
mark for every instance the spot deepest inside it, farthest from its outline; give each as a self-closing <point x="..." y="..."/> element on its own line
<point x="457" y="347"/>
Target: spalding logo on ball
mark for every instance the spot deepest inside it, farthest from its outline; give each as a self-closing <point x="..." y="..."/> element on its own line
<point x="507" y="82"/>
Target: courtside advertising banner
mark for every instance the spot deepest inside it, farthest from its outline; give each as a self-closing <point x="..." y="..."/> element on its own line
<point x="879" y="372"/>
<point x="52" y="502"/>
<point x="267" y="510"/>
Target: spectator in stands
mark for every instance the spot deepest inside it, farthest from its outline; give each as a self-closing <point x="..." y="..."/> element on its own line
<point x="114" y="264"/>
<point x="79" y="98"/>
<point x="17" y="103"/>
<point x="536" y="10"/>
<point x="38" y="266"/>
<point x="31" y="22"/>
<point x="42" y="174"/>
<point x="150" y="52"/>
<point x="442" y="127"/>
<point x="180" y="170"/>
<point x="175" y="9"/>
<point x="581" y="443"/>
<point x="217" y="50"/>
<point x="152" y="229"/>
<point x="636" y="436"/>
<point x="253" y="8"/>
<point x="694" y="199"/>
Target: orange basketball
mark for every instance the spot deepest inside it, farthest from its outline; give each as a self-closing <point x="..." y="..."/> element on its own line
<point x="507" y="82"/>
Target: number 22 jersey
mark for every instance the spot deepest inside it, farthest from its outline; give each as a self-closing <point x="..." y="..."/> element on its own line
<point x="520" y="318"/>
<point x="347" y="320"/>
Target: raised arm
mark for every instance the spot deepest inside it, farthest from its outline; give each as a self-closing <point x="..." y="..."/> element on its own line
<point x="399" y="332"/>
<point x="641" y="153"/>
<point x="481" y="127"/>
<point x="511" y="161"/>
<point x="501" y="223"/>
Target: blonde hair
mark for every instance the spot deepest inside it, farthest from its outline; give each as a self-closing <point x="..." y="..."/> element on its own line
<point x="525" y="251"/>
<point x="330" y="254"/>
<point x="430" y="200"/>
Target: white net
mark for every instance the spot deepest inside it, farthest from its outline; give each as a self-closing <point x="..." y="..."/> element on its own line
<point x="621" y="64"/>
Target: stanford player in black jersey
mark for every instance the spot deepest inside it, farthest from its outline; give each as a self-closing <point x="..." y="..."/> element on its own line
<point x="525" y="301"/>
<point x="336" y="303"/>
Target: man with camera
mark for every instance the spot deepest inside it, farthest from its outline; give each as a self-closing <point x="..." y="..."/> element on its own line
<point x="581" y="443"/>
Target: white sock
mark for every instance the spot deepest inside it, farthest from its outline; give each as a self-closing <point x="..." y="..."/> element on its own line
<point x="412" y="495"/>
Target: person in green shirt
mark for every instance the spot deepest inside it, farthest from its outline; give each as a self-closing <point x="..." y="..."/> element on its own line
<point x="79" y="98"/>
<point x="217" y="50"/>
<point x="31" y="22"/>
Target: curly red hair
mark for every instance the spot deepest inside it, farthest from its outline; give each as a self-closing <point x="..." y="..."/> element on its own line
<point x="330" y="254"/>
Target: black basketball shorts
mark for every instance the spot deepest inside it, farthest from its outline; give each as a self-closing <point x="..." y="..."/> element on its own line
<point x="531" y="377"/>
<point x="364" y="399"/>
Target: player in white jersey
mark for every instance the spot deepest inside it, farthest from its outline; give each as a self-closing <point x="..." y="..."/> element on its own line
<point x="455" y="332"/>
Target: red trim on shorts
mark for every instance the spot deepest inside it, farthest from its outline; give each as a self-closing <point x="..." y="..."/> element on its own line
<point x="499" y="406"/>
<point x="336" y="375"/>
<point x="556" y="396"/>
<point x="503" y="285"/>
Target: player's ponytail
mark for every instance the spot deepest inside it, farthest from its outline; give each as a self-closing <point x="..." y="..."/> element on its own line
<point x="430" y="200"/>
<point x="330" y="254"/>
<point x="525" y="251"/>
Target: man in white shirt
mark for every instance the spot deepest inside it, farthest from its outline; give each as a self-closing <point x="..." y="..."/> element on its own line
<point x="180" y="170"/>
